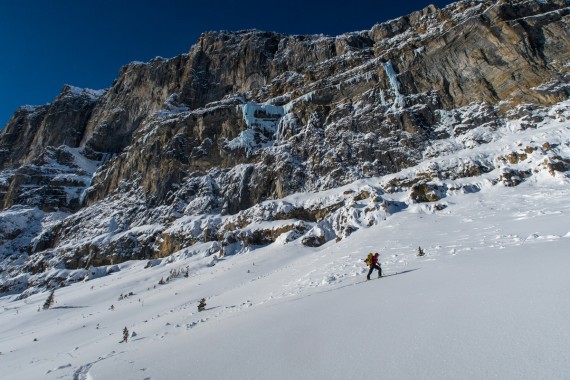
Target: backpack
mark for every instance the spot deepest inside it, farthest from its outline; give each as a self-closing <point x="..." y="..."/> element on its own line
<point x="368" y="260"/>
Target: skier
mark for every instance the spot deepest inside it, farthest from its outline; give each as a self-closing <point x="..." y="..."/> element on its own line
<point x="372" y="261"/>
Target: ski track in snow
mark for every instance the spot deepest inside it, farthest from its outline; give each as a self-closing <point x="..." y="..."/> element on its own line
<point x="82" y="372"/>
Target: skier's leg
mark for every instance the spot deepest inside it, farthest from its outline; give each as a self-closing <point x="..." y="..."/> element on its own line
<point x="370" y="272"/>
<point x="379" y="271"/>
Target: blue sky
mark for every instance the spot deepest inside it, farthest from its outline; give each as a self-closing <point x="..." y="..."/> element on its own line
<point x="46" y="44"/>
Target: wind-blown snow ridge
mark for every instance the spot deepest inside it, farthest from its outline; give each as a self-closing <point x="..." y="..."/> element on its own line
<point x="92" y="94"/>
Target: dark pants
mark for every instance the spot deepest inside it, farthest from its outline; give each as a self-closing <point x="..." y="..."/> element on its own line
<point x="372" y="267"/>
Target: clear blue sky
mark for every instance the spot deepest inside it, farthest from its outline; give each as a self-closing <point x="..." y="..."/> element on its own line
<point x="45" y="44"/>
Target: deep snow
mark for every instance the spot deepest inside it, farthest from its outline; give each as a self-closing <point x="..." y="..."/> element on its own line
<point x="490" y="300"/>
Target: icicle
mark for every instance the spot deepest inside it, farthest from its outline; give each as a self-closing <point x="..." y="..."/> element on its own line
<point x="393" y="79"/>
<point x="382" y="98"/>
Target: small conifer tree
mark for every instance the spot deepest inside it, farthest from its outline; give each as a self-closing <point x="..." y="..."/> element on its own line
<point x="50" y="300"/>
<point x="421" y="252"/>
<point x="125" y="335"/>
<point x="202" y="304"/>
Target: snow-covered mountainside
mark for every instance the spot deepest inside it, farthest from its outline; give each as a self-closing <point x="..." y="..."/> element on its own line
<point x="201" y="152"/>
<point x="259" y="169"/>
<point x="487" y="300"/>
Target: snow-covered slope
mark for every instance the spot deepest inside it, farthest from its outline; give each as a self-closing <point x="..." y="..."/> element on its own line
<point x="488" y="300"/>
<point x="258" y="170"/>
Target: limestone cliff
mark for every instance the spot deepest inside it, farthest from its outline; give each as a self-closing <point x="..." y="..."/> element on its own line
<point x="252" y="116"/>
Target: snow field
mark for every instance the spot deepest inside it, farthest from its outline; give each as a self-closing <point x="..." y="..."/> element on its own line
<point x="487" y="301"/>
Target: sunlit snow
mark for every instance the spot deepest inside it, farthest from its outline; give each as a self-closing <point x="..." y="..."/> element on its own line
<point x="488" y="300"/>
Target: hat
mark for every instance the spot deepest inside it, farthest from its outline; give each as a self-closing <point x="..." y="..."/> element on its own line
<point x="376" y="254"/>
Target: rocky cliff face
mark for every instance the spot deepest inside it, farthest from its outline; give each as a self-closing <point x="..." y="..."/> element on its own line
<point x="251" y="116"/>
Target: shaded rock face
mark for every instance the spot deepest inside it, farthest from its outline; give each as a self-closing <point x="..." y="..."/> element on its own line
<point x="52" y="181"/>
<point x="19" y="134"/>
<point x="366" y="94"/>
<point x="32" y="129"/>
<point x="246" y="117"/>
